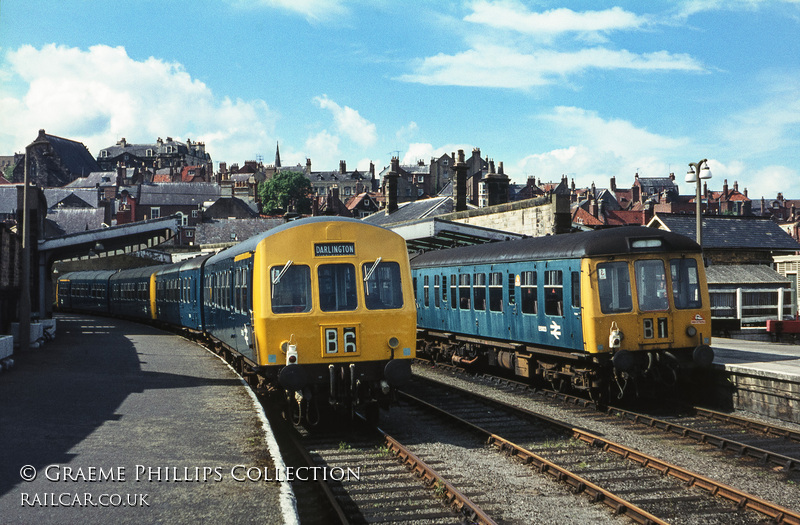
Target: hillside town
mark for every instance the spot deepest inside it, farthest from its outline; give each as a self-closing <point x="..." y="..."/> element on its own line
<point x="748" y="242"/>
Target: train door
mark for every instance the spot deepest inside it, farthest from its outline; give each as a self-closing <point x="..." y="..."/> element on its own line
<point x="241" y="311"/>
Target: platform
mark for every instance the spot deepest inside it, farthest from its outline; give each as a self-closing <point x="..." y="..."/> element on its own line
<point x="122" y="423"/>
<point x="764" y="377"/>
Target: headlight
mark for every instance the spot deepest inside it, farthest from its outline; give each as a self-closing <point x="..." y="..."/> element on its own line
<point x="691" y="331"/>
<point x="393" y="343"/>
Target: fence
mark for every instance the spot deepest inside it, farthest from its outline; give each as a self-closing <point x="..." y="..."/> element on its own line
<point x="750" y="307"/>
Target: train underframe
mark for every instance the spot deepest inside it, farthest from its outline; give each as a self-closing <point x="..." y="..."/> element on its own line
<point x="313" y="394"/>
<point x="628" y="375"/>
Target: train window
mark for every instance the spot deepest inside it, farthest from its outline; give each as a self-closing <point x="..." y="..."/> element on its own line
<point x="237" y="289"/>
<point x="384" y="288"/>
<point x="496" y="292"/>
<point x="292" y="292"/>
<point x="463" y="291"/>
<point x="444" y="290"/>
<point x="453" y="294"/>
<point x="576" y="289"/>
<point x="425" y="291"/>
<point x="414" y="283"/>
<point x="529" y="299"/>
<point x="685" y="283"/>
<point x="512" y="296"/>
<point x="436" y="291"/>
<point x="553" y="293"/>
<point x="479" y="291"/>
<point x="337" y="287"/>
<point x="651" y="285"/>
<point x="614" y="287"/>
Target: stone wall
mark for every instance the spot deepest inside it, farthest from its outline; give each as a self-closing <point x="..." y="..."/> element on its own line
<point x="548" y="215"/>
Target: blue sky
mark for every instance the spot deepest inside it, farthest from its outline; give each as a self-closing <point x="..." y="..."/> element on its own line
<point x="587" y="89"/>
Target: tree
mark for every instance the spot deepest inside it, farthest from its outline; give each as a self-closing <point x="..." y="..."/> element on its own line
<point x="283" y="190"/>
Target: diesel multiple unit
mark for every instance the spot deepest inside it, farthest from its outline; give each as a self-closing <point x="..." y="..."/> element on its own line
<point x="604" y="312"/>
<point x="322" y="307"/>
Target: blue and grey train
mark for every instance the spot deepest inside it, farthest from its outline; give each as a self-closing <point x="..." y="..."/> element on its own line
<point x="606" y="312"/>
<point x="321" y="308"/>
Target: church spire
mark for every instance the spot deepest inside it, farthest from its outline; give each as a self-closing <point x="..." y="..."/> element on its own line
<point x="277" y="156"/>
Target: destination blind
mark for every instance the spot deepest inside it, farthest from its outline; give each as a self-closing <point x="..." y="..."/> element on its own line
<point x="328" y="249"/>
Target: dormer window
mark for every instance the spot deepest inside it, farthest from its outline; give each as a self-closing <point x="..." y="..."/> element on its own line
<point x="104" y="154"/>
<point x="150" y="153"/>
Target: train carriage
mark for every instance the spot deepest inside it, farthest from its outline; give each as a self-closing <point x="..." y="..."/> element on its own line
<point x="84" y="290"/>
<point x="614" y="309"/>
<point x="331" y="295"/>
<point x="178" y="289"/>
<point x="133" y="293"/>
<point x="321" y="307"/>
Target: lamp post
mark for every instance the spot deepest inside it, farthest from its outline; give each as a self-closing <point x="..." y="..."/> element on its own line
<point x="25" y="275"/>
<point x="698" y="171"/>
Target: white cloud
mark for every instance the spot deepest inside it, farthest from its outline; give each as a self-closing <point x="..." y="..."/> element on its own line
<point x="312" y="10"/>
<point x="512" y="15"/>
<point x="617" y="136"/>
<point x="691" y="7"/>
<point x="323" y="150"/>
<point x="772" y="124"/>
<point x="102" y="95"/>
<point x="405" y="133"/>
<point x="424" y="151"/>
<point x="491" y="65"/>
<point x="348" y="121"/>
<point x="599" y="149"/>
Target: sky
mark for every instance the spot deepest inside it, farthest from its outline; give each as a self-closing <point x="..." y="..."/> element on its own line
<point x="587" y="90"/>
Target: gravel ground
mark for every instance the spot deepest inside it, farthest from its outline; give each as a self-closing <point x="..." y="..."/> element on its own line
<point x="545" y="501"/>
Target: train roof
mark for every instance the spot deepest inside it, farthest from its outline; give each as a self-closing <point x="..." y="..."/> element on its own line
<point x="87" y="274"/>
<point x="142" y="271"/>
<point x="250" y="244"/>
<point x="182" y="266"/>
<point x="612" y="241"/>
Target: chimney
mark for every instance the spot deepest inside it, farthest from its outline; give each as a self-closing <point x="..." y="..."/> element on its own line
<point x="736" y="186"/>
<point x="391" y="186"/>
<point x="725" y="189"/>
<point x="460" y="182"/>
<point x="342" y="166"/>
<point x="613" y="184"/>
<point x="496" y="186"/>
<point x="500" y="170"/>
<point x="308" y="166"/>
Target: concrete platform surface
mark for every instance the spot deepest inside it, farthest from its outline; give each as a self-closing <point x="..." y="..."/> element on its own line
<point x="777" y="360"/>
<point x="121" y="423"/>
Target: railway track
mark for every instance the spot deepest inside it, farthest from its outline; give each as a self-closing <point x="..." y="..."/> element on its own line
<point x="373" y="478"/>
<point x="634" y="484"/>
<point x="770" y="445"/>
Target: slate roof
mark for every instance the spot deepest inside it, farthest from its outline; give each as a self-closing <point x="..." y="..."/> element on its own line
<point x="226" y="207"/>
<point x="410" y="211"/>
<point x="74" y="155"/>
<point x="177" y="193"/>
<point x="656" y="184"/>
<point x="744" y="274"/>
<point x="219" y="231"/>
<point x="8" y="199"/>
<point x="76" y="220"/>
<point x="55" y="196"/>
<point x="94" y="180"/>
<point x="332" y="176"/>
<point x="731" y="232"/>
